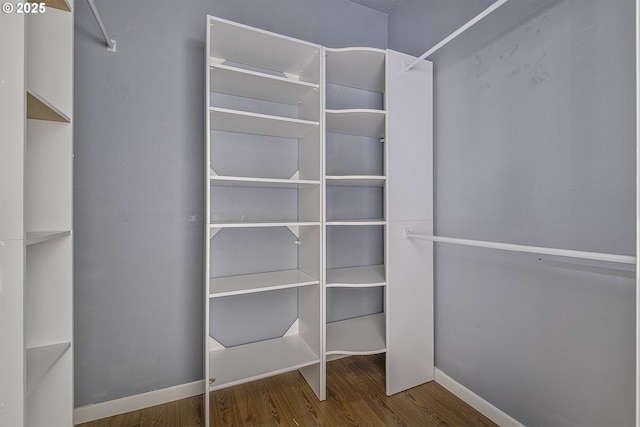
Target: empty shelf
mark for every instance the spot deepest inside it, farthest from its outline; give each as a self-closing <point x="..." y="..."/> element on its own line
<point x="40" y="360"/>
<point x="40" y="109"/>
<point x="243" y="363"/>
<point x="252" y="84"/>
<point x="241" y="181"/>
<point x="357" y="180"/>
<point x="260" y="124"/>
<point x="34" y="237"/>
<point x="247" y="45"/>
<point x="361" y="335"/>
<point x="379" y="221"/>
<point x="360" y="122"/>
<point x="364" y="276"/>
<point x="259" y="282"/>
<point x="251" y="224"/>
<point x="361" y="68"/>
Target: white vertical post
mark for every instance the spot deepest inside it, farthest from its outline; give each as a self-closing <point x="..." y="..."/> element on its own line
<point x="637" y="212"/>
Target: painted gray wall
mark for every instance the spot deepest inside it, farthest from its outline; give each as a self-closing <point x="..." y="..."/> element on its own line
<point x="534" y="144"/>
<point x="138" y="178"/>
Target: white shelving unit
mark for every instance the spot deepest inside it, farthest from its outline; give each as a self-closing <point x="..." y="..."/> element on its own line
<point x="263" y="90"/>
<point x="362" y="72"/>
<point x="36" y="245"/>
<point x="299" y="202"/>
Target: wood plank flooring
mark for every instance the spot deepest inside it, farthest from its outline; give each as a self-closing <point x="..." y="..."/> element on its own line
<point x="355" y="397"/>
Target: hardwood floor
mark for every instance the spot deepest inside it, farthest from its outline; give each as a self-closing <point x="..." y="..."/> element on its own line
<point x="355" y="397"/>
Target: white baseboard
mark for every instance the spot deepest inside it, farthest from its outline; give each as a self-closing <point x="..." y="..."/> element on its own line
<point x="485" y="408"/>
<point x="110" y="408"/>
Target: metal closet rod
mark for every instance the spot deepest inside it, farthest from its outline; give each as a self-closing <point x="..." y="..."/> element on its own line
<point x="457" y="32"/>
<point x="111" y="44"/>
<point x="596" y="256"/>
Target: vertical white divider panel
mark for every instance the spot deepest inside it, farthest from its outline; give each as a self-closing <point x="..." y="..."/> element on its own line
<point x="410" y="325"/>
<point x="12" y="117"/>
<point x="207" y="232"/>
<point x="12" y="353"/>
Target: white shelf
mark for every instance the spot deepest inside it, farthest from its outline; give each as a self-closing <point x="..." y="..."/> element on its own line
<point x="360" y="122"/>
<point x="40" y="361"/>
<point x="260" y="124"/>
<point x="361" y="335"/>
<point x="356" y="222"/>
<point x="237" y="365"/>
<point x="260" y="282"/>
<point x="252" y="84"/>
<point x="258" y="224"/>
<point x="361" y="68"/>
<point x="34" y="237"/>
<point x="364" y="276"/>
<point x="241" y="181"/>
<point x="247" y="45"/>
<point x="356" y="180"/>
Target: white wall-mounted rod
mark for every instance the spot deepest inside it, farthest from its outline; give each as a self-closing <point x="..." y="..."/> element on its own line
<point x="457" y="32"/>
<point x="111" y="44"/>
<point x="596" y="256"/>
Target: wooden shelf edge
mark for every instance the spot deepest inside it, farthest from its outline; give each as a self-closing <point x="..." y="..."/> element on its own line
<point x="58" y="4"/>
<point x="40" y="109"/>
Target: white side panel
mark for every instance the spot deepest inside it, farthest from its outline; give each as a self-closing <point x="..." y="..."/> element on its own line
<point x="410" y="326"/>
<point x="50" y="57"/>
<point x="410" y="343"/>
<point x="12" y="115"/>
<point x="49" y="175"/>
<point x="207" y="230"/>
<point x="51" y="404"/>
<point x="410" y="134"/>
<point x="12" y="354"/>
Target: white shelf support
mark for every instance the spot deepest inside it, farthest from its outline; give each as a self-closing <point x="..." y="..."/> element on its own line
<point x="111" y="44"/>
<point x="596" y="256"/>
<point x="456" y="33"/>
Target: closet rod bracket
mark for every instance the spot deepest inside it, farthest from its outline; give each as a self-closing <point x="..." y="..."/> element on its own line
<point x="111" y="44"/>
<point x="112" y="48"/>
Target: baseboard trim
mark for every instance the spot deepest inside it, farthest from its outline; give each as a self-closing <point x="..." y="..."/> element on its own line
<point x="485" y="408"/>
<point x="96" y="411"/>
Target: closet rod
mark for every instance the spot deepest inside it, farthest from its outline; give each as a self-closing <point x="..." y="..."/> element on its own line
<point x="111" y="44"/>
<point x="456" y="33"/>
<point x="623" y="259"/>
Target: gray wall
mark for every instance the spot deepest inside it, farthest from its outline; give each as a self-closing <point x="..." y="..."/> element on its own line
<point x="534" y="144"/>
<point x="138" y="179"/>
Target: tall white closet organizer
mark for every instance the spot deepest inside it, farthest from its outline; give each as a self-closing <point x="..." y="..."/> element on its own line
<point x="36" y="246"/>
<point x="310" y="152"/>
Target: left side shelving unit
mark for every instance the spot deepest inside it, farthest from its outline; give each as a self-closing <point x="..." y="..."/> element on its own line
<point x="36" y="198"/>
